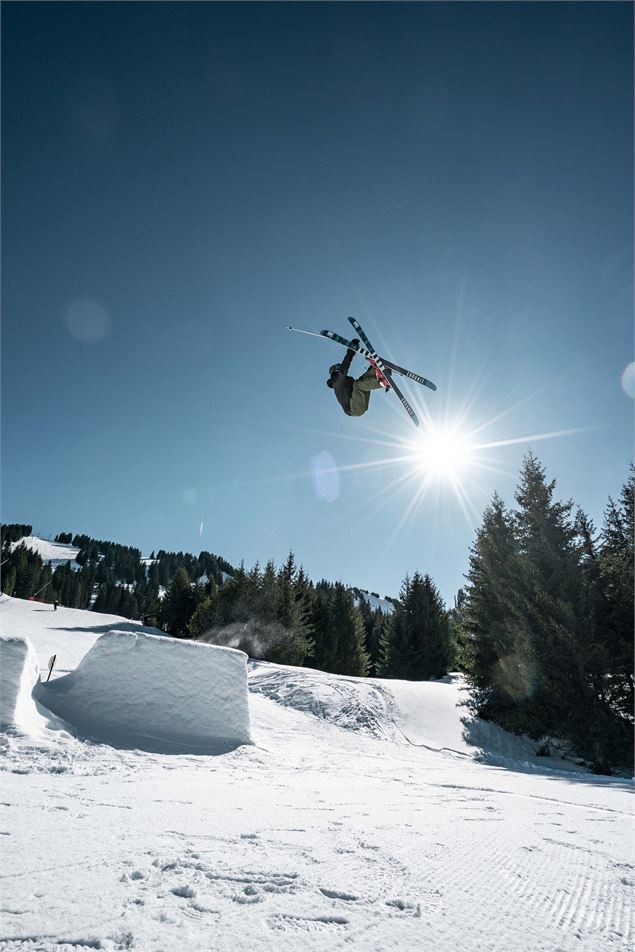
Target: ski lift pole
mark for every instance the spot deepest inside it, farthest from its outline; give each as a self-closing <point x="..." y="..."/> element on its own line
<point x="35" y="595"/>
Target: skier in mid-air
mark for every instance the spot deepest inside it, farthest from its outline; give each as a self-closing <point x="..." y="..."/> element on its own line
<point x="352" y="395"/>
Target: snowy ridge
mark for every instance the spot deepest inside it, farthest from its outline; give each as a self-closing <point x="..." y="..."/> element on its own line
<point x="55" y="553"/>
<point x="375" y="601"/>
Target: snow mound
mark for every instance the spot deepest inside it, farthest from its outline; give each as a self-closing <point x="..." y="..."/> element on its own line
<point x="19" y="673"/>
<point x="357" y="704"/>
<point x="155" y="693"/>
<point x="430" y="714"/>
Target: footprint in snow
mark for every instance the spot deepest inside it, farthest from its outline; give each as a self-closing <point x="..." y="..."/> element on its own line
<point x="249" y="896"/>
<point x="132" y="876"/>
<point x="185" y="891"/>
<point x="335" y="894"/>
<point x="411" y="908"/>
<point x="282" y="922"/>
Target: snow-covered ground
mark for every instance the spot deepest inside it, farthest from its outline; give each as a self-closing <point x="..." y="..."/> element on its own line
<point x="363" y="816"/>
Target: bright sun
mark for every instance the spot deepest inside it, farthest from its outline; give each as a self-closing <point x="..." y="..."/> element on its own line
<point x="444" y="452"/>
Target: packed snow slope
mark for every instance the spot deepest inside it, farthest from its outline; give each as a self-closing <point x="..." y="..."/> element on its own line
<point x="55" y="553"/>
<point x="363" y="816"/>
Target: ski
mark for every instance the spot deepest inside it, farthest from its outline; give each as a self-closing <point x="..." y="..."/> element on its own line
<point x="380" y="365"/>
<point x="331" y="335"/>
<point x="360" y="349"/>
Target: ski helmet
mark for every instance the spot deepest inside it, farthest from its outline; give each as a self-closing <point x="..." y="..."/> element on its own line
<point x="332" y="370"/>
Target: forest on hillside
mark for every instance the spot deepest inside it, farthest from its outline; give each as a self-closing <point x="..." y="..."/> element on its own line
<point x="542" y="628"/>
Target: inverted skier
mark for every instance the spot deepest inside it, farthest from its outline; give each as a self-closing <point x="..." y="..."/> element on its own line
<point x="352" y="395"/>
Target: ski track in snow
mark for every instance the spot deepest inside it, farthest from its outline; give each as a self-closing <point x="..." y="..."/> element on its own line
<point x="332" y="832"/>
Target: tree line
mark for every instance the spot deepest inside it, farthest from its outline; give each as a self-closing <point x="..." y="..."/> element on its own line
<point x="542" y="629"/>
<point x="279" y="614"/>
<point x="105" y="577"/>
<point x="544" y="625"/>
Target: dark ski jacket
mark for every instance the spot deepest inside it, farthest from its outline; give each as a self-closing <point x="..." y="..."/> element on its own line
<point x="343" y="385"/>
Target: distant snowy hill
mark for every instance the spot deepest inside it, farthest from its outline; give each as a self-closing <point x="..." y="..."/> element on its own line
<point x="54" y="553"/>
<point x="59" y="553"/>
<point x="376" y="601"/>
<point x="367" y="815"/>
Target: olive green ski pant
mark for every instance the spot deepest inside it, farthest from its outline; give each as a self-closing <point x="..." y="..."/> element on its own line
<point x="360" y="397"/>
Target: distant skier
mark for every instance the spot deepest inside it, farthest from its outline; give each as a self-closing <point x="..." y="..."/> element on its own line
<point x="352" y="395"/>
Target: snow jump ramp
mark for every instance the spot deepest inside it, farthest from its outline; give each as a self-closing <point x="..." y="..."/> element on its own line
<point x="155" y="693"/>
<point x="19" y="674"/>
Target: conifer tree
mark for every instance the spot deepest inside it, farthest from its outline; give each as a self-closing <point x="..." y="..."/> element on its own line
<point x="458" y="640"/>
<point x="616" y="566"/>
<point x="178" y="605"/>
<point x="322" y="627"/>
<point x="292" y="611"/>
<point x="594" y="729"/>
<point x="13" y="532"/>
<point x="269" y="595"/>
<point x="417" y="646"/>
<point x="350" y="655"/>
<point x="395" y="650"/>
<point x="376" y="623"/>
<point x="29" y="568"/>
<point x="492" y="658"/>
<point x="8" y="580"/>
<point x="129" y="607"/>
<point x="432" y="629"/>
<point x="544" y="609"/>
<point x="100" y="601"/>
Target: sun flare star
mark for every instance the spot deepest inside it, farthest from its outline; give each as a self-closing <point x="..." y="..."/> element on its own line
<point x="445" y="452"/>
<point x="455" y="456"/>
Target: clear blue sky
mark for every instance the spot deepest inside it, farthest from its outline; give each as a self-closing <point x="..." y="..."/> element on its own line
<point x="181" y="181"/>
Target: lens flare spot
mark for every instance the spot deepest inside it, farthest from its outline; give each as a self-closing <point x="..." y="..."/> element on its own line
<point x="87" y="321"/>
<point x="190" y="497"/>
<point x="515" y="676"/>
<point x="326" y="477"/>
<point x="628" y="380"/>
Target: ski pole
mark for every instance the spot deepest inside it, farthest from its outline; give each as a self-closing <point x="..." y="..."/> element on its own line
<point x="310" y="333"/>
